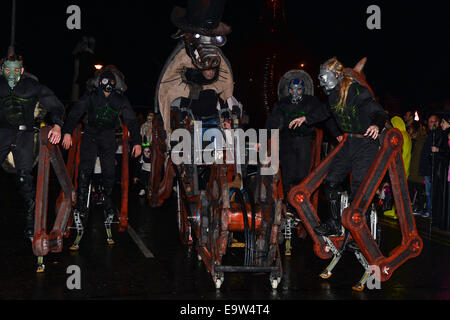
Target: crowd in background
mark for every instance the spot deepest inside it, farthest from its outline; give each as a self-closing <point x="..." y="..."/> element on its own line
<point x="426" y="156"/>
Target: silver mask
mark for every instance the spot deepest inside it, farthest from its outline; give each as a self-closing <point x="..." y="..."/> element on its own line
<point x="328" y="79"/>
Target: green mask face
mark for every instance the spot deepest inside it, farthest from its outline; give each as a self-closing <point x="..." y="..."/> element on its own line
<point x="12" y="70"/>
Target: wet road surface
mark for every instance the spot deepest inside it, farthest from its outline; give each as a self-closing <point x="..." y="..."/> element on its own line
<point x="168" y="271"/>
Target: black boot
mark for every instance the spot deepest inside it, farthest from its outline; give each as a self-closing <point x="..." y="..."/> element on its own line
<point x="84" y="180"/>
<point x="333" y="225"/>
<point x="26" y="191"/>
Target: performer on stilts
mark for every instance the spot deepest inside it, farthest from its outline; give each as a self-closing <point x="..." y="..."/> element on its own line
<point x="296" y="137"/>
<point x="104" y="103"/>
<point x="358" y="114"/>
<point x="19" y="94"/>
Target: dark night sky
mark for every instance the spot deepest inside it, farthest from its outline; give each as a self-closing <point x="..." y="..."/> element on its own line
<point x="409" y="57"/>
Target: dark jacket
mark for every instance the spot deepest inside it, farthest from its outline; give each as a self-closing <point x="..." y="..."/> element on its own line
<point x="103" y="114"/>
<point x="360" y="112"/>
<point x="426" y="156"/>
<point x="205" y="106"/>
<point x="416" y="152"/>
<point x="310" y="107"/>
<point x="17" y="105"/>
<point x="443" y="155"/>
<point x="440" y="194"/>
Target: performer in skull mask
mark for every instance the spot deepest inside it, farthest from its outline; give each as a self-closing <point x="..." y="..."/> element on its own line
<point x="296" y="116"/>
<point x="18" y="96"/>
<point x="358" y="114"/>
<point x="104" y="103"/>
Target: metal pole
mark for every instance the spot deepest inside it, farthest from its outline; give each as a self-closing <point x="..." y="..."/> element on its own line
<point x="11" y="49"/>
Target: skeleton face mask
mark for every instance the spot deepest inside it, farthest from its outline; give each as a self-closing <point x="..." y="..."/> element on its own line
<point x="147" y="152"/>
<point x="296" y="90"/>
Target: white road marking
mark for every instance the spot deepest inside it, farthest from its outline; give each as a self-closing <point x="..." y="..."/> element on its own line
<point x="147" y="253"/>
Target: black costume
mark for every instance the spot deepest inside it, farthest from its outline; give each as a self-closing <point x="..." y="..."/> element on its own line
<point x="359" y="113"/>
<point x="99" y="138"/>
<point x="142" y="172"/>
<point x="440" y="187"/>
<point x="202" y="103"/>
<point x="17" y="106"/>
<point x="205" y="107"/>
<point x="296" y="144"/>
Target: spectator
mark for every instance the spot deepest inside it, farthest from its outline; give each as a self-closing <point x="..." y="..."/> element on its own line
<point x="416" y="182"/>
<point x="441" y="151"/>
<point x="142" y="174"/>
<point x="408" y="118"/>
<point x="398" y="123"/>
<point x="426" y="160"/>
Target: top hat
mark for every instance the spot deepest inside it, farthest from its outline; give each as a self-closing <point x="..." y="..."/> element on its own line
<point x="201" y="16"/>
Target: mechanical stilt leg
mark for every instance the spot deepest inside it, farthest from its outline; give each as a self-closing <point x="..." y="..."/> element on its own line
<point x="289" y="223"/>
<point x="80" y="213"/>
<point x="337" y="253"/>
<point x="80" y="230"/>
<point x="40" y="264"/>
<point x="337" y="256"/>
<point x="327" y="272"/>
<point x="274" y="281"/>
<point x="288" y="235"/>
<point x="359" y="286"/>
<point x="109" y="219"/>
<point x="218" y="279"/>
<point x="109" y="208"/>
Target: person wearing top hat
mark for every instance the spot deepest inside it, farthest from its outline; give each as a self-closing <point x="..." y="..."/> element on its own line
<point x="202" y="32"/>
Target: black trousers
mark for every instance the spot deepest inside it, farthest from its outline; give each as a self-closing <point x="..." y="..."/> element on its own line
<point x="295" y="158"/>
<point x="355" y="157"/>
<point x="143" y="178"/>
<point x="102" y="144"/>
<point x="21" y="144"/>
